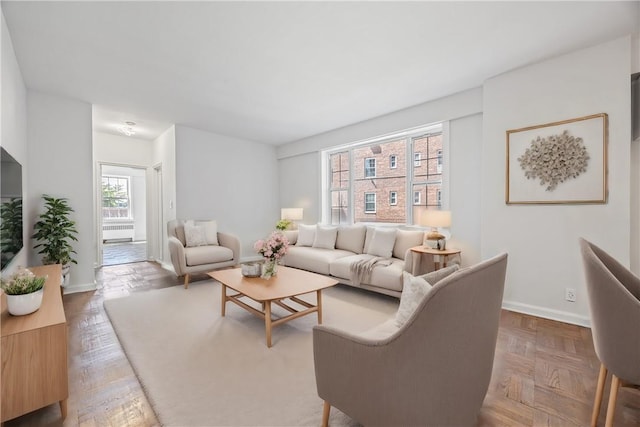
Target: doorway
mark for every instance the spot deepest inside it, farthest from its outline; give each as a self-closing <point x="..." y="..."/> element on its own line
<point x="123" y="214"/>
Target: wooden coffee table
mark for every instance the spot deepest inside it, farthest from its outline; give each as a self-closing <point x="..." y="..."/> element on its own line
<point x="282" y="290"/>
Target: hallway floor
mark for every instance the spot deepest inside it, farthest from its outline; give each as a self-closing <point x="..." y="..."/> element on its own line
<point x="124" y="252"/>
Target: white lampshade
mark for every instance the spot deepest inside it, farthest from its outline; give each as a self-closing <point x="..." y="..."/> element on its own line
<point x="292" y="214"/>
<point x="436" y="218"/>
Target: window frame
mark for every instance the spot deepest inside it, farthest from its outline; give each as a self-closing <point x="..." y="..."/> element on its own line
<point x="393" y="161"/>
<point x="418" y="201"/>
<point x="417" y="159"/>
<point x="393" y="198"/>
<point x="129" y="210"/>
<point x="369" y="168"/>
<point x="375" y="204"/>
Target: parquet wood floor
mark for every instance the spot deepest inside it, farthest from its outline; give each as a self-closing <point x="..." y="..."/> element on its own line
<point x="545" y="372"/>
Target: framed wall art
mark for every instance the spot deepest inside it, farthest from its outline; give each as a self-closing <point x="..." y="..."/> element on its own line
<point x="558" y="163"/>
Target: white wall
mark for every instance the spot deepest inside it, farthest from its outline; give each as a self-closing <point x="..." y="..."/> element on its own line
<point x="299" y="178"/>
<point x="542" y="240"/>
<point x="164" y="156"/>
<point x="465" y="186"/>
<point x="123" y="150"/>
<point x="60" y="165"/>
<point x="13" y="128"/>
<point x="230" y="180"/>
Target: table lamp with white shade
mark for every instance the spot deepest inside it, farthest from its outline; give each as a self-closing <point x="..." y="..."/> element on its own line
<point x="292" y="214"/>
<point x="436" y="219"/>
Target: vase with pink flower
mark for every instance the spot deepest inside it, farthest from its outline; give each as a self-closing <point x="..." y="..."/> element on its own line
<point x="272" y="249"/>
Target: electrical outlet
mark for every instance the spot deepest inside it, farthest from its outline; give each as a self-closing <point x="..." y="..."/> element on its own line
<point x="570" y="294"/>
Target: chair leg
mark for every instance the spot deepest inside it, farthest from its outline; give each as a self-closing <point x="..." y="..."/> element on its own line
<point x="186" y="281"/>
<point x="597" y="403"/>
<point x="325" y="414"/>
<point x="613" y="396"/>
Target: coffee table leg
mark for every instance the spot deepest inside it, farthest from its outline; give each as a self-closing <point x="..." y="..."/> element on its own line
<point x="224" y="299"/>
<point x="319" y="293"/>
<point x="267" y="321"/>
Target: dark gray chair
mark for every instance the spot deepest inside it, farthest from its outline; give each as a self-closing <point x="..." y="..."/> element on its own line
<point x="433" y="370"/>
<point x="614" y="302"/>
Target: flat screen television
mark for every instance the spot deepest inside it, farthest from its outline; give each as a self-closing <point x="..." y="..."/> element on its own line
<point x="10" y="208"/>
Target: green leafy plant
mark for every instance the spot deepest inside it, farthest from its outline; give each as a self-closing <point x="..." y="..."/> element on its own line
<point x="22" y="282"/>
<point x="283" y="224"/>
<point x="10" y="229"/>
<point x="54" y="231"/>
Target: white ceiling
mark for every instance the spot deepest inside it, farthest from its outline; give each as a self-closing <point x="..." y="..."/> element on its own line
<point x="276" y="72"/>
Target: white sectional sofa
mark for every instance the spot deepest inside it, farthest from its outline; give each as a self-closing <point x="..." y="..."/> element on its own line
<point x="338" y="251"/>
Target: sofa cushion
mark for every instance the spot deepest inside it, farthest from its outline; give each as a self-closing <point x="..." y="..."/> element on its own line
<point x="342" y="267"/>
<point x="382" y="242"/>
<point x="306" y="235"/>
<point x="388" y="277"/>
<point x="406" y="239"/>
<point x="313" y="259"/>
<point x="194" y="234"/>
<point x="351" y="238"/>
<point x="210" y="231"/>
<point x="208" y="254"/>
<point x="325" y="237"/>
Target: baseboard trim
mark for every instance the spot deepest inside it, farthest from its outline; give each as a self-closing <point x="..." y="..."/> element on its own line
<point x="547" y="313"/>
<point x="82" y="287"/>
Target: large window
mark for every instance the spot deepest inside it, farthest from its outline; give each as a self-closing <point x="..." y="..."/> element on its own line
<point x="115" y="197"/>
<point x="406" y="170"/>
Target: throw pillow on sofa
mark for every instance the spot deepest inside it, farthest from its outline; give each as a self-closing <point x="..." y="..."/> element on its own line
<point x="406" y="239"/>
<point x="382" y="242"/>
<point x="210" y="231"/>
<point x="194" y="234"/>
<point x="351" y="238"/>
<point x="306" y="235"/>
<point x="325" y="237"/>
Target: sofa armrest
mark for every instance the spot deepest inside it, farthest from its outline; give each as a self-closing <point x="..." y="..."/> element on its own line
<point x="232" y="242"/>
<point x="176" y="251"/>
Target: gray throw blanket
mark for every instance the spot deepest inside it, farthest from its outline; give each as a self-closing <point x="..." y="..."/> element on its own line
<point x="361" y="270"/>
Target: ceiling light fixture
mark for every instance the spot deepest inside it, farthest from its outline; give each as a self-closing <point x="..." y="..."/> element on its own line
<point x="127" y="128"/>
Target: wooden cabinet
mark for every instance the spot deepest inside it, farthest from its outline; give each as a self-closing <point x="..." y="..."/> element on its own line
<point x="34" y="353"/>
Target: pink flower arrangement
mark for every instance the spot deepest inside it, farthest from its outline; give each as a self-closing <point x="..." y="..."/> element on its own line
<point x="273" y="248"/>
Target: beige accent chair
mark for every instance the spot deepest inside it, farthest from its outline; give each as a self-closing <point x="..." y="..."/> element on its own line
<point x="614" y="301"/>
<point x="200" y="259"/>
<point x="433" y="370"/>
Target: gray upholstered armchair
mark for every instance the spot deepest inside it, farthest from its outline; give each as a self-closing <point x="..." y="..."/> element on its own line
<point x="614" y="301"/>
<point x="199" y="253"/>
<point x="433" y="370"/>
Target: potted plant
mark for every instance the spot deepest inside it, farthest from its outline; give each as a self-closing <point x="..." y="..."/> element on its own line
<point x="10" y="229"/>
<point x="283" y="224"/>
<point x="54" y="232"/>
<point x="24" y="292"/>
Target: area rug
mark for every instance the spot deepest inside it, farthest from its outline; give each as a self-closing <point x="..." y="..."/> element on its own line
<point x="200" y="369"/>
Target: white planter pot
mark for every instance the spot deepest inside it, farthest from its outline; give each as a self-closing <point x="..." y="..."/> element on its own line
<point x="19" y="305"/>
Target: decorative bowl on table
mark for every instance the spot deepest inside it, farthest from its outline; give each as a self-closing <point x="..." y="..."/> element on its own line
<point x="251" y="269"/>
